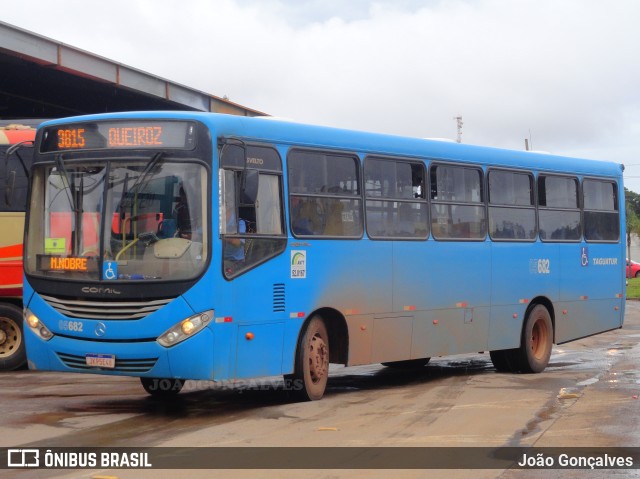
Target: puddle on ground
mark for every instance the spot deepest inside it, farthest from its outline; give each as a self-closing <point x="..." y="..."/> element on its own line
<point x="588" y="382"/>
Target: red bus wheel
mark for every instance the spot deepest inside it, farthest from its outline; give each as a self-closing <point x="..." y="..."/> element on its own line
<point x="12" y="349"/>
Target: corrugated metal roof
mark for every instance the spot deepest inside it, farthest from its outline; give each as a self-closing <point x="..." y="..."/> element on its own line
<point x="29" y="54"/>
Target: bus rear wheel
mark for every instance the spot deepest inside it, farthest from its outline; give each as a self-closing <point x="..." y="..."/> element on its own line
<point x="537" y="341"/>
<point x="505" y="360"/>
<point x="499" y="361"/>
<point x="13" y="353"/>
<point x="312" y="362"/>
<point x="162" y="387"/>
<point x="535" y="346"/>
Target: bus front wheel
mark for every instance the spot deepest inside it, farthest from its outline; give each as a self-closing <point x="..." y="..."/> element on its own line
<point x="13" y="353"/>
<point x="312" y="362"/>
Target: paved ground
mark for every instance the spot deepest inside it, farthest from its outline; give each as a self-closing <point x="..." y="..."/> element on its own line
<point x="586" y="397"/>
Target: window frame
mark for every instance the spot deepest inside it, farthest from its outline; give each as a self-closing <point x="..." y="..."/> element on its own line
<point x="16" y="164"/>
<point x="482" y="203"/>
<point x="532" y="206"/>
<point x="394" y="199"/>
<point x="249" y="235"/>
<point x="578" y="208"/>
<point x="615" y="211"/>
<point x="326" y="195"/>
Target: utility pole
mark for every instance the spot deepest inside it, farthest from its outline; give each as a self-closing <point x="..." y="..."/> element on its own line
<point x="459" y="126"/>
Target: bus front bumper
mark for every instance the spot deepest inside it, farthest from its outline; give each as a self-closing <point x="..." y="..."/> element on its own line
<point x="190" y="359"/>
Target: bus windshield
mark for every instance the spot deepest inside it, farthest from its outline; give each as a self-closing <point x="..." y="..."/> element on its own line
<point x="118" y="220"/>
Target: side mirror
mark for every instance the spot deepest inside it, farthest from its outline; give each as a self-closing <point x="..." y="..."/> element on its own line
<point x="249" y="187"/>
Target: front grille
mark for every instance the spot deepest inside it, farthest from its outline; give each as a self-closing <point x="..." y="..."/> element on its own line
<point x="122" y="365"/>
<point x="105" y="310"/>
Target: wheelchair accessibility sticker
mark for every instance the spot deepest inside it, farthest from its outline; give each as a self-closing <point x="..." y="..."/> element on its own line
<point x="585" y="260"/>
<point x="110" y="270"/>
<point x="584" y="256"/>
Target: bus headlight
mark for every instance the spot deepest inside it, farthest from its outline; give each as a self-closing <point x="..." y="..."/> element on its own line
<point x="37" y="326"/>
<point x="185" y="329"/>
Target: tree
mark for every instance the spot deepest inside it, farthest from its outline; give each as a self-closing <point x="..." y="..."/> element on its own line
<point x="632" y="207"/>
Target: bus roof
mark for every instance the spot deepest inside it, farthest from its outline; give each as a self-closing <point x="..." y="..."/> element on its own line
<point x="311" y="136"/>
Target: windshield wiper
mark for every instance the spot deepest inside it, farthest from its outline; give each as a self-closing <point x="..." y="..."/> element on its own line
<point x="147" y="169"/>
<point x="75" y="202"/>
<point x="61" y="168"/>
<point x="132" y="194"/>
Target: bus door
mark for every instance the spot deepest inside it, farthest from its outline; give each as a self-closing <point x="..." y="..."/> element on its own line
<point x="253" y="237"/>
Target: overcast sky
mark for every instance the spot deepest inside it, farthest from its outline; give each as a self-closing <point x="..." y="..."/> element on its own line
<point x="564" y="73"/>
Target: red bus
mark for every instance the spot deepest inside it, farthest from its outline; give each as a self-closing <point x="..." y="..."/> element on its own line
<point x="16" y="155"/>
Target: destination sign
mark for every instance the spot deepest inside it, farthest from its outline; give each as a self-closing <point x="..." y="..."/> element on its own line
<point x="66" y="263"/>
<point x="119" y="134"/>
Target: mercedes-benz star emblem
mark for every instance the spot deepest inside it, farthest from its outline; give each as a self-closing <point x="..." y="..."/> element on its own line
<point x="101" y="329"/>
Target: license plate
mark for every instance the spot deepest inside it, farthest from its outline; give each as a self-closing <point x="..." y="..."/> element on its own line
<point x="101" y="360"/>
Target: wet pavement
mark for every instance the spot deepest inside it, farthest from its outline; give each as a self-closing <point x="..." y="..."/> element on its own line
<point x="586" y="397"/>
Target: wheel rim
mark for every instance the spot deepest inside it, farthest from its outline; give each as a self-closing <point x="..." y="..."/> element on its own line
<point x="539" y="338"/>
<point x="318" y="358"/>
<point x="10" y="337"/>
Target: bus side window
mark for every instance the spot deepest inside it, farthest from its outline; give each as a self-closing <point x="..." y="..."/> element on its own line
<point x="325" y="196"/>
<point x="601" y="218"/>
<point x="251" y="225"/>
<point x="13" y="179"/>
<point x="512" y="214"/>
<point x="457" y="203"/>
<point x="396" y="204"/>
<point x="559" y="209"/>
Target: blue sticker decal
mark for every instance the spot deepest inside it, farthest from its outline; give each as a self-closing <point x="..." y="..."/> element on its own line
<point x="110" y="270"/>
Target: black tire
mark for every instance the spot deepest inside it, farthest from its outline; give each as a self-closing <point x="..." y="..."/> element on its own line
<point x="637" y="274"/>
<point x="312" y="362"/>
<point x="159" y="387"/>
<point x="535" y="345"/>
<point x="13" y="354"/>
<point x="407" y="364"/>
<point x="500" y="360"/>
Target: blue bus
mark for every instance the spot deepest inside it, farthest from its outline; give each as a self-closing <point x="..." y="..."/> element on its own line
<point x="180" y="245"/>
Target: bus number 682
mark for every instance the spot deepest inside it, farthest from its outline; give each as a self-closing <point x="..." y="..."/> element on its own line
<point x="76" y="326"/>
